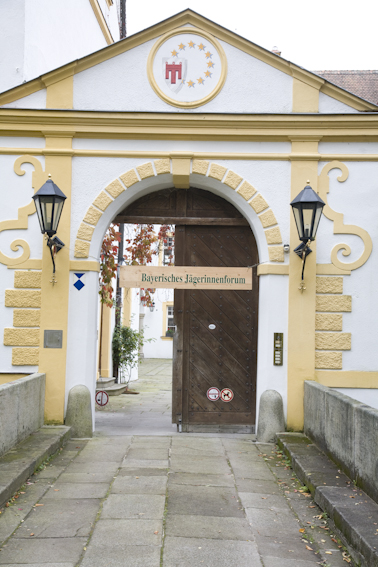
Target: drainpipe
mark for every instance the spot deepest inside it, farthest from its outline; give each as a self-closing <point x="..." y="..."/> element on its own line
<point x="122" y="26"/>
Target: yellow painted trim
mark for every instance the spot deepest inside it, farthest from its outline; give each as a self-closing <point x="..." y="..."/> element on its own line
<point x="106" y="369"/>
<point x="126" y="307"/>
<point x="84" y="266"/>
<point x="6" y="378"/>
<point x="203" y="25"/>
<point x="305" y="97"/>
<point x="21" y="222"/>
<point x="31" y="264"/>
<point x="338" y="221"/>
<point x="60" y="94"/>
<point x="330" y="270"/>
<point x="101" y="21"/>
<point x="347" y="378"/>
<point x="268" y="269"/>
<point x="181" y="172"/>
<point x="301" y="306"/>
<point x="165" y="304"/>
<point x="54" y="299"/>
<point x="156" y="47"/>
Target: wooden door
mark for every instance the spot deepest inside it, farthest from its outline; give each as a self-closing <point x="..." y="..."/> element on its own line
<point x="216" y="339"/>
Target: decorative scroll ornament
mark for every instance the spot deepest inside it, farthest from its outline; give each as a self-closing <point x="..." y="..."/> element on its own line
<point x="38" y="177"/>
<point x="338" y="221"/>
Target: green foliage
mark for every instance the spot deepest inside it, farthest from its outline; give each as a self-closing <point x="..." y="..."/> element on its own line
<point x="126" y="346"/>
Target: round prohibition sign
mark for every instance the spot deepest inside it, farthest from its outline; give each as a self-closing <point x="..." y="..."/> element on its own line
<point x="227" y="395"/>
<point x="101" y="398"/>
<point x="213" y="394"/>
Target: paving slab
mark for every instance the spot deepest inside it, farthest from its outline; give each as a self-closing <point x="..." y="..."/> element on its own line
<point x="110" y="533"/>
<point x="257" y="485"/>
<point x="142" y="471"/>
<point x="138" y="506"/>
<point x="281" y="562"/>
<point x="202" y="479"/>
<point x="268" y="522"/>
<point x="262" y="500"/>
<point x="139" y="485"/>
<point x="122" y="556"/>
<point x="44" y="550"/>
<point x="192" y="552"/>
<point x="289" y="548"/>
<point x="202" y="465"/>
<point x="64" y="518"/>
<point x="147" y="453"/>
<point x="208" y="527"/>
<point x="87" y="477"/>
<point x="93" y="467"/>
<point x="79" y="490"/>
<point x="146" y="463"/>
<point x="203" y="501"/>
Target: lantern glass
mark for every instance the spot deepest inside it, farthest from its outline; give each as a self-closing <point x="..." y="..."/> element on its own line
<point x="307" y="208"/>
<point x="49" y="201"/>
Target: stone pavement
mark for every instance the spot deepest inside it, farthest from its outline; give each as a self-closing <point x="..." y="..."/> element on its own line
<point x="139" y="494"/>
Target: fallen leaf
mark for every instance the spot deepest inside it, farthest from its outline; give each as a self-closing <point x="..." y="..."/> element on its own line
<point x="39" y="504"/>
<point x="31" y="534"/>
<point x="328" y="552"/>
<point x="302" y="530"/>
<point x="56" y="489"/>
<point x="308" y="547"/>
<point x="156" y="533"/>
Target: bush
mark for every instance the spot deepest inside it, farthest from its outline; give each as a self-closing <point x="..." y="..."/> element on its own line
<point x="126" y="345"/>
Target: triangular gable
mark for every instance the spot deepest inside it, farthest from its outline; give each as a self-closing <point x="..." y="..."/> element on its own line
<point x="64" y="74"/>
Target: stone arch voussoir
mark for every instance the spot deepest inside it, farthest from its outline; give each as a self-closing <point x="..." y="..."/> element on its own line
<point x="200" y="167"/>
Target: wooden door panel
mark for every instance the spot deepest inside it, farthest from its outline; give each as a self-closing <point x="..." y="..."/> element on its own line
<point x="224" y="357"/>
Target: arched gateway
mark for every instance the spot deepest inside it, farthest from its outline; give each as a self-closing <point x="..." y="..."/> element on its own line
<point x="215" y="346"/>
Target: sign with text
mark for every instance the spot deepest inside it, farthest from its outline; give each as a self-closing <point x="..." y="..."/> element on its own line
<point x="186" y="277"/>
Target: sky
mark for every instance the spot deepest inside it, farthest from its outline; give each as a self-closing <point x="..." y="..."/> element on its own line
<point x="325" y="34"/>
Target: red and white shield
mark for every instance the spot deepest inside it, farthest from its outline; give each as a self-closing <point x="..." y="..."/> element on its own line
<point x="174" y="72"/>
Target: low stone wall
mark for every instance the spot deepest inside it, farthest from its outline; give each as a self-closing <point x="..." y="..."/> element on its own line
<point x="22" y="406"/>
<point x="346" y="430"/>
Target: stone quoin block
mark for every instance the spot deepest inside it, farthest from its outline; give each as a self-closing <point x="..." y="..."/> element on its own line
<point x="102" y="201"/>
<point x="23" y="279"/>
<point x="267" y="219"/>
<point x="129" y="178"/>
<point x="246" y="190"/>
<point x="26" y="317"/>
<point x="25" y="356"/>
<point x="233" y="180"/>
<point x="273" y="235"/>
<point x="92" y="216"/>
<point x="200" y="166"/>
<point x="85" y="232"/>
<point x="81" y="249"/>
<point x="259" y="204"/>
<point x="329" y="285"/>
<point x="21" y="337"/>
<point x="333" y="341"/>
<point x="22" y="298"/>
<point x="146" y="170"/>
<point x="276" y="253"/>
<point x="217" y="171"/>
<point x="328" y="360"/>
<point x="115" y="188"/>
<point x="162" y="166"/>
<point x="328" y="322"/>
<point x="340" y="303"/>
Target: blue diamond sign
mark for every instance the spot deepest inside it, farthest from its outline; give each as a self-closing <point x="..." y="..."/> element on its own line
<point x="78" y="283"/>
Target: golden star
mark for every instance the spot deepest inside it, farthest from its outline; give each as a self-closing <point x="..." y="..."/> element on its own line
<point x="200" y="81"/>
<point x="208" y="74"/>
<point x="210" y="64"/>
<point x="191" y="44"/>
<point x="174" y="53"/>
<point x="201" y="47"/>
<point x="190" y="84"/>
<point x="182" y="46"/>
<point x="209" y="55"/>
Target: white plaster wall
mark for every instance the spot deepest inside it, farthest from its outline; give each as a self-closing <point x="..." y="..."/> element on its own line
<point x="348" y="147"/>
<point x="36" y="100"/>
<point x="153" y="321"/>
<point x="82" y="336"/>
<point x="367" y="396"/>
<point x="357" y="199"/>
<point x="121" y="83"/>
<point x="273" y="318"/>
<point x="111" y="17"/>
<point x="329" y="105"/>
<point x="21" y="142"/>
<point x="12" y="25"/>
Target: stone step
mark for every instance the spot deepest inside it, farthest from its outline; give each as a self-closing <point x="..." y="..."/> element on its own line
<point x="351" y="512"/>
<point x="20" y="462"/>
<point x="112" y="390"/>
<point x="104" y="383"/>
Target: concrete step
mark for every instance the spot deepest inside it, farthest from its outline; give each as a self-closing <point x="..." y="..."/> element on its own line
<point x="113" y="390"/>
<point x="351" y="512"/>
<point x="19" y="463"/>
<point x="104" y="383"/>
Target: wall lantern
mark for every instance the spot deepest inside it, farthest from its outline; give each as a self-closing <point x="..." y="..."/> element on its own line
<point x="307" y="209"/>
<point x="152" y="307"/>
<point x="49" y="201"/>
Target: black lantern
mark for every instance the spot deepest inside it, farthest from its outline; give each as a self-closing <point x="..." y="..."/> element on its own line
<point x="307" y="209"/>
<point x="49" y="201"/>
<point x="152" y="307"/>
